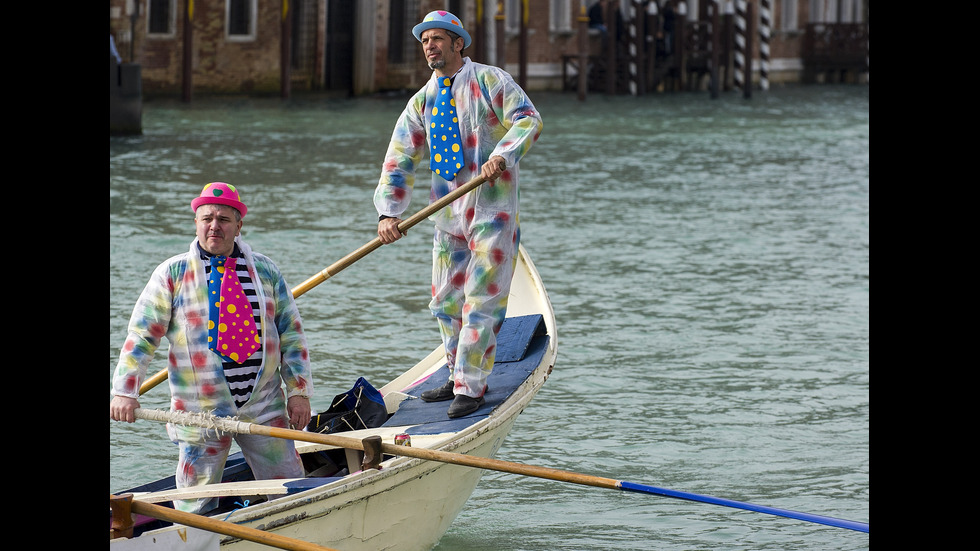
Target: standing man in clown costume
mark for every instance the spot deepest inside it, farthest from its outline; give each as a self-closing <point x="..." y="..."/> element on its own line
<point x="470" y="120"/>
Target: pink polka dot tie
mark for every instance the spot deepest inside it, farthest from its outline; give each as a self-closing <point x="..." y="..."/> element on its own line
<point x="237" y="338"/>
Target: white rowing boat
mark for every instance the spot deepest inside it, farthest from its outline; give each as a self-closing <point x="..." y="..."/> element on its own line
<point x="407" y="503"/>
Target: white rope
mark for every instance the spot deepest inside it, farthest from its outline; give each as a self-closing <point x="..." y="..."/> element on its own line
<point x="205" y="420"/>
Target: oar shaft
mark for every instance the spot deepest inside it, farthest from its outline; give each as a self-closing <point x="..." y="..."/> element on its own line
<point x="436" y="455"/>
<point x="222" y="527"/>
<point x="363" y="251"/>
<point x="153" y="381"/>
<point x="487" y="463"/>
<point x="336" y="267"/>
<point x="228" y="425"/>
<point x="500" y="465"/>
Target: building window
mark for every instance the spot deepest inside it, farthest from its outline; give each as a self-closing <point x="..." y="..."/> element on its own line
<point x="512" y="16"/>
<point x="843" y="11"/>
<point x="851" y="11"/>
<point x="560" y="16"/>
<point x="161" y="18"/>
<point x="240" y="19"/>
<point x="403" y="48"/>
<point x="789" y="16"/>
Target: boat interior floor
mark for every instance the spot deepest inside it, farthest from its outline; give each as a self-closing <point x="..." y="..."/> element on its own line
<point x="520" y="344"/>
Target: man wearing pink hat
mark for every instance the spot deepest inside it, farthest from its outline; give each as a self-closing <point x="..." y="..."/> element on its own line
<point x="235" y="340"/>
<point x="470" y="120"/>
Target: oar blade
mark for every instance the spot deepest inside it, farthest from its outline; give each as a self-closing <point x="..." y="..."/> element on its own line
<point x="818" y="519"/>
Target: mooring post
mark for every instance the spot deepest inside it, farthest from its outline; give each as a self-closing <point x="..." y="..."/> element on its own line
<point x="583" y="51"/>
<point x="765" y="30"/>
<point x="285" y="51"/>
<point x="188" y="53"/>
<point x="749" y="43"/>
<point x="680" y="46"/>
<point x="715" y="47"/>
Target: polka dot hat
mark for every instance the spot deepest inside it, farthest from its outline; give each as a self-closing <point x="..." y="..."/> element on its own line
<point x="220" y="193"/>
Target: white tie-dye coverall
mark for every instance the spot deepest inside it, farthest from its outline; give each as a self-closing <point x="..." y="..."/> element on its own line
<point x="477" y="236"/>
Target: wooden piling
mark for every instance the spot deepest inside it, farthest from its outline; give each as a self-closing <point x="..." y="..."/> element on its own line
<point x="715" y="49"/>
<point x="501" y="37"/>
<point x="188" y="53"/>
<point x="285" y="51"/>
<point x="583" y="51"/>
<point x="479" y="35"/>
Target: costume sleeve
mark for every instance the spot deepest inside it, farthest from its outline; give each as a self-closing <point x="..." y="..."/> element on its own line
<point x="405" y="151"/>
<point x="147" y="327"/>
<point x="516" y="114"/>
<point x="295" y="368"/>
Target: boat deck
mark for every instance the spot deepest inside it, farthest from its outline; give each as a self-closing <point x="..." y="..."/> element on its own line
<point x="521" y="343"/>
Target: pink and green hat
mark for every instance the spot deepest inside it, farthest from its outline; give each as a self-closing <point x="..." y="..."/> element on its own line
<point x="220" y="193"/>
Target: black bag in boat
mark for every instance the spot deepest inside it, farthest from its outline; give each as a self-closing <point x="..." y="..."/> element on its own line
<point x="361" y="407"/>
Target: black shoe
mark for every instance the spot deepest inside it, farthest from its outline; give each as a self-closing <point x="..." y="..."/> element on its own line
<point x="440" y="394"/>
<point x="464" y="405"/>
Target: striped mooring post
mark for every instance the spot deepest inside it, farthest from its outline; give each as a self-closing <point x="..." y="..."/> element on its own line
<point x="739" y="61"/>
<point x="765" y="26"/>
<point x="635" y="51"/>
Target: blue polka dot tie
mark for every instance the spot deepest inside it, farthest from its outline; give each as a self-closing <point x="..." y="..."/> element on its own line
<point x="447" y="149"/>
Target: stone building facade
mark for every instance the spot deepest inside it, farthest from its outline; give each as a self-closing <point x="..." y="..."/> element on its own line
<point x="357" y="47"/>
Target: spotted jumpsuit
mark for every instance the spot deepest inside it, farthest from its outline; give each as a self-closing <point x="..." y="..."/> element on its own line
<point x="174" y="304"/>
<point x="477" y="236"/>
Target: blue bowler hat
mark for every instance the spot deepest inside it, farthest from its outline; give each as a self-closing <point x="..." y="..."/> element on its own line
<point x="440" y="19"/>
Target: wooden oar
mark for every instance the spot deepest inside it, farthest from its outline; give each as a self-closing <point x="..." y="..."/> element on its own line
<point x="363" y="251"/>
<point x="213" y="525"/>
<point x="353" y="257"/>
<point x="153" y="381"/>
<point x="231" y="425"/>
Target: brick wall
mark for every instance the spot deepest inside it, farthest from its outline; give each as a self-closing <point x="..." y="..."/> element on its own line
<point x="218" y="64"/>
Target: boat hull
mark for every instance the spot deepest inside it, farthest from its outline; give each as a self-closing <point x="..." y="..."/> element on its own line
<point x="407" y="504"/>
<point x="409" y="508"/>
